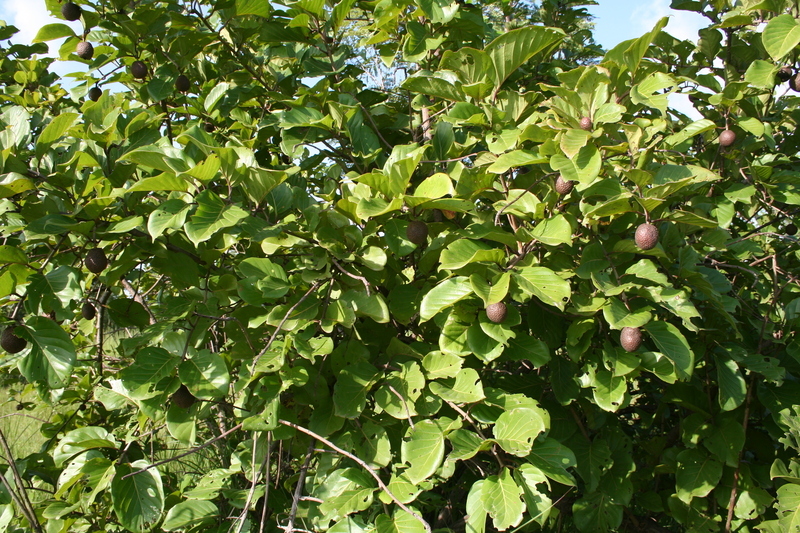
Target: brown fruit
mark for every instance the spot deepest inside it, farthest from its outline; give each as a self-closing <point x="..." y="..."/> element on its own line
<point x="790" y="229"/>
<point x="183" y="84"/>
<point x="646" y="236"/>
<point x="88" y="311"/>
<point x="138" y="70"/>
<point x="496" y="312"/>
<point x="417" y="232"/>
<point x="209" y="127"/>
<point x="10" y="342"/>
<point x="95" y="260"/>
<point x="794" y="82"/>
<point x="727" y="138"/>
<point x="586" y="123"/>
<point x="564" y="186"/>
<point x="95" y="93"/>
<point x="630" y="339"/>
<point x="71" y="11"/>
<point x="85" y="50"/>
<point x="784" y="74"/>
<point x="183" y="398"/>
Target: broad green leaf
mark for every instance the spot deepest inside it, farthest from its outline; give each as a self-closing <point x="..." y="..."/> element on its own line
<point x="435" y="186"/>
<point x="490" y="293"/>
<point x="169" y="215"/>
<point x="608" y="390"/>
<point x="423" y="450"/>
<point x="138" y="500"/>
<point x="725" y="441"/>
<point x="636" y="51"/>
<point x="435" y="87"/>
<point x="345" y="491"/>
<point x="691" y="130"/>
<point x="525" y="347"/>
<point x="698" y="474"/>
<point x="205" y="374"/>
<point x="152" y="364"/>
<point x="444" y="295"/>
<point x="400" y="522"/>
<point x="618" y="316"/>
<point x="212" y="215"/>
<point x="545" y="285"/>
<point x="466" y="387"/>
<point x="761" y="74"/>
<point x="49" y="32"/>
<point x="596" y="512"/>
<point x="553" y="231"/>
<point x="476" y="508"/>
<point x="780" y="36"/>
<point x="511" y="49"/>
<point x="190" y="513"/>
<point x="462" y="252"/>
<point x="553" y="458"/>
<point x="515" y="430"/>
<point x="51" y="356"/>
<point x="732" y="386"/>
<point x="673" y="344"/>
<point x="789" y="507"/>
<point x="584" y="167"/>
<point x="608" y="113"/>
<point x="55" y="130"/>
<point x="400" y="390"/>
<point x="516" y="158"/>
<point x="503" y="500"/>
<point x="79" y="440"/>
<point x="350" y="390"/>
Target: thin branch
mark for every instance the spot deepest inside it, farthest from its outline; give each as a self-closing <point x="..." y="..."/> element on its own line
<point x="298" y="490"/>
<point x="363" y="465"/>
<point x="362" y="279"/>
<point x="26" y="506"/>
<point x="190" y="452"/>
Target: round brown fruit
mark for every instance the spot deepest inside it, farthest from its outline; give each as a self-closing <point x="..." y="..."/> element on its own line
<point x="630" y="339"/>
<point x="646" y="236"/>
<point x="88" y="311"/>
<point x="183" y="398"/>
<point x="727" y="138"/>
<point x="95" y="93"/>
<point x="790" y="229"/>
<point x="784" y="74"/>
<point x="183" y="84"/>
<point x="95" y="260"/>
<point x="85" y="50"/>
<point x="794" y="82"/>
<point x="138" y="70"/>
<point x="209" y="127"/>
<point x="563" y="186"/>
<point x="417" y="232"/>
<point x="10" y="342"/>
<point x="71" y="11"/>
<point x="586" y="123"/>
<point x="496" y="312"/>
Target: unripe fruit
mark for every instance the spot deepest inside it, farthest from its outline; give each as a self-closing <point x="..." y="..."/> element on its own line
<point x="646" y="236"/>
<point x="95" y="93"/>
<point x="138" y="70"/>
<point x="71" y="11"/>
<point x="564" y="186"/>
<point x="85" y="50"/>
<point x="790" y="229"/>
<point x="95" y="260"/>
<point x="727" y="138"/>
<point x="784" y="74"/>
<point x="496" y="312"/>
<point x="183" y="398"/>
<point x="10" y="342"/>
<point x="182" y="84"/>
<point x="417" y="232"/>
<point x="630" y="339"/>
<point x="586" y="123"/>
<point x="88" y="311"/>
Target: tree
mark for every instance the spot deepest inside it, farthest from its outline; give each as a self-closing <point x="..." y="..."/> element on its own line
<point x="262" y="292"/>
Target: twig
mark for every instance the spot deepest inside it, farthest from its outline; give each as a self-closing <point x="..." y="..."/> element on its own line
<point x="515" y="200"/>
<point x="363" y="465"/>
<point x="405" y="405"/>
<point x="314" y="287"/>
<point x="26" y="506"/>
<point x="362" y="279"/>
<point x="190" y="452"/>
<point x="298" y="490"/>
<point x="138" y="298"/>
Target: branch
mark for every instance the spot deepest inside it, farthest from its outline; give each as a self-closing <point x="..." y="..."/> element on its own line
<point x="190" y="452"/>
<point x="362" y="279"/>
<point x="363" y="465"/>
<point x="298" y="490"/>
<point x="26" y="507"/>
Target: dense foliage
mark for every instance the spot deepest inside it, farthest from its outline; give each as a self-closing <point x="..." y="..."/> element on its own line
<point x="252" y="271"/>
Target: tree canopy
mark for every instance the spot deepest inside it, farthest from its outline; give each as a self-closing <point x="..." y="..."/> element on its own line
<point x="400" y="266"/>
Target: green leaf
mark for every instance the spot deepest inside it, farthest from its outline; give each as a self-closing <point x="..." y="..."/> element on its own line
<point x="511" y="49"/>
<point x="152" y="364"/>
<point x="55" y="130"/>
<point x="12" y="254"/>
<point x="252" y="7"/>
<point x="49" y="32"/>
<point x="584" y="167"/>
<point x="205" y="374"/>
<point x="423" y="450"/>
<point x="436" y="87"/>
<point x="345" y="491"/>
<point x="515" y="430"/>
<point x="466" y="387"/>
<point x="553" y="458"/>
<point x="443" y="296"/>
<point x="462" y="252"/>
<point x="725" y="441"/>
<point x="80" y="440"/>
<point x="503" y="500"/>
<point x="476" y="508"/>
<point x="52" y="355"/>
<point x="597" y="513"/>
<point x="350" y="390"/>
<point x="553" y="231"/>
<point x="697" y="475"/>
<point x="732" y="386"/>
<point x="138" y="500"/>
<point x="169" y="215"/>
<point x="609" y="390"/>
<point x="761" y="74"/>
<point x="781" y="36"/>
<point x="545" y="284"/>
<point x="673" y="344"/>
<point x="400" y="390"/>
<point x="618" y="316"/>
<point x="691" y="130"/>
<point x="490" y="293"/>
<point x="190" y="513"/>
<point x="212" y="215"/>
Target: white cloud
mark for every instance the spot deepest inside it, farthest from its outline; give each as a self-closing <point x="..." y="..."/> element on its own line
<point x="682" y="24"/>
